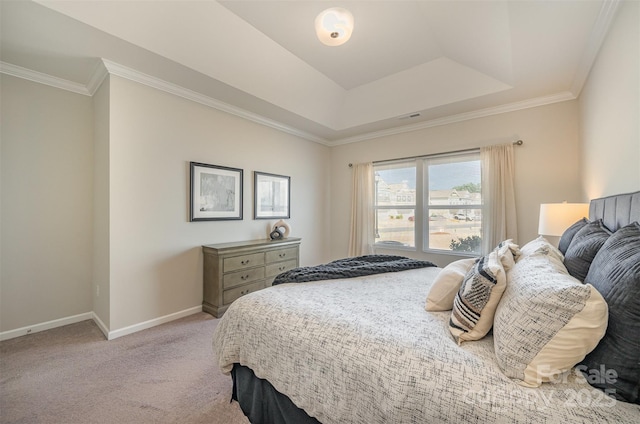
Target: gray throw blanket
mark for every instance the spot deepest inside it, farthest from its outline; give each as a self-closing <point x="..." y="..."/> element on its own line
<point x="350" y="267"/>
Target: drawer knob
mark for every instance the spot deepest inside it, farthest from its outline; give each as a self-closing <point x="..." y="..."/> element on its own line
<point x="242" y="293"/>
<point x="244" y="277"/>
<point x="245" y="262"/>
<point x="282" y="268"/>
<point x="282" y="255"/>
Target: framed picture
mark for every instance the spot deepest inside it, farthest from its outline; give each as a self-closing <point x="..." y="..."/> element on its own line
<point x="216" y="192"/>
<point x="271" y="196"/>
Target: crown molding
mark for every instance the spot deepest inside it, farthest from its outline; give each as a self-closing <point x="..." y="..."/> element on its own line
<point x="39" y="77"/>
<point x="480" y="113"/>
<point x="596" y="38"/>
<point x="151" y="81"/>
<point x="107" y="67"/>
<point x="99" y="75"/>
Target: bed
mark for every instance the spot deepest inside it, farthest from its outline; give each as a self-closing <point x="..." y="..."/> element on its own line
<point x="364" y="350"/>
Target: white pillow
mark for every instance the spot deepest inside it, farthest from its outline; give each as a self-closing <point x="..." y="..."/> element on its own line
<point x="547" y="321"/>
<point x="540" y="245"/>
<point x="508" y="252"/>
<point x="476" y="301"/>
<point x="446" y="285"/>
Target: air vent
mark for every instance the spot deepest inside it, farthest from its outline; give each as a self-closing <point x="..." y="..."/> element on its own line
<point x="410" y="116"/>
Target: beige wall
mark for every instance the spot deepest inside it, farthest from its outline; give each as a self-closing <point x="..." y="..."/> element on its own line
<point x="547" y="168"/>
<point x="47" y="207"/>
<point x="610" y="110"/>
<point x="100" y="287"/>
<point x="155" y="252"/>
<point x="120" y="160"/>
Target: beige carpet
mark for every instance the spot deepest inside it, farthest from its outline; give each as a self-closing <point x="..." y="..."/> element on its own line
<point x="71" y="374"/>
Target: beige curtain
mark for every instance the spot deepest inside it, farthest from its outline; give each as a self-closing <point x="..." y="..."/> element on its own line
<point x="361" y="239"/>
<point x="499" y="217"/>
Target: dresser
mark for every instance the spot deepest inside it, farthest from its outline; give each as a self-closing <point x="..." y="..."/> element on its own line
<point x="234" y="269"/>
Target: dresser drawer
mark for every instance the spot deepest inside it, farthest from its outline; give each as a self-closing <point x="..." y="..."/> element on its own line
<point x="230" y="295"/>
<point x="237" y="278"/>
<point x="282" y="254"/>
<point x="242" y="262"/>
<point x="275" y="269"/>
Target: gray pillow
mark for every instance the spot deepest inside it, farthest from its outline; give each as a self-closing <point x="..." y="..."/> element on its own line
<point x="615" y="273"/>
<point x="569" y="233"/>
<point x="583" y="248"/>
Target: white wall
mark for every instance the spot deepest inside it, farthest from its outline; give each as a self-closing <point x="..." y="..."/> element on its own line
<point x="47" y="206"/>
<point x="155" y="252"/>
<point x="610" y="110"/>
<point x="547" y="167"/>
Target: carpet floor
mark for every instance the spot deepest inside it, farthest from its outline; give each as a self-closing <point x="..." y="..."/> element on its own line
<point x="71" y="374"/>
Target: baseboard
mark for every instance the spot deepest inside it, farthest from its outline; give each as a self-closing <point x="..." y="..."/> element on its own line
<point x="36" y="328"/>
<point x="101" y="325"/>
<point x="110" y="335"/>
<point x="153" y="322"/>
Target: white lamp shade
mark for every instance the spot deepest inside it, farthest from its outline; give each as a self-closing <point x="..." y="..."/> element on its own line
<point x="555" y="218"/>
<point x="334" y="26"/>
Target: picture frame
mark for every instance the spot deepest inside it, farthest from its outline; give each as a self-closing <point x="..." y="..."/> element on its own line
<point x="272" y="196"/>
<point x="216" y="192"/>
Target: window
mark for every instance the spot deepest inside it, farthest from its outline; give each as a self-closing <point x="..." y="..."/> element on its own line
<point x="431" y="204"/>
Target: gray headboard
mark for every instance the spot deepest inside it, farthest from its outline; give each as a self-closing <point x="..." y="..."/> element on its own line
<point x="616" y="211"/>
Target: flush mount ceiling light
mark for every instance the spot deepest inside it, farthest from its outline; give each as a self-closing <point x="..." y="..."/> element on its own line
<point x="334" y="26"/>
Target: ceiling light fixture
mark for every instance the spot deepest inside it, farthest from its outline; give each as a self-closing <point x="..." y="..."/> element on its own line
<point x="334" y="26"/>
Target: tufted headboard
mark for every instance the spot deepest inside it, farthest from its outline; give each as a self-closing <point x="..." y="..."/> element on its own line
<point x="616" y="211"/>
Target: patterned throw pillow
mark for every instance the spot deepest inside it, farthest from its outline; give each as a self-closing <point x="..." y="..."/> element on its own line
<point x="615" y="273"/>
<point x="446" y="285"/>
<point x="476" y="301"/>
<point x="583" y="248"/>
<point x="546" y="322"/>
<point x="569" y="233"/>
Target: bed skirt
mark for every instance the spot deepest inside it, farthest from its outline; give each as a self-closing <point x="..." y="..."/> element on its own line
<point x="261" y="403"/>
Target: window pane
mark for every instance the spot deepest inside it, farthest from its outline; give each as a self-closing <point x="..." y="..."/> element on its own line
<point x="395" y="199"/>
<point x="395" y="185"/>
<point x="395" y="227"/>
<point x="457" y="230"/>
<point x="454" y="181"/>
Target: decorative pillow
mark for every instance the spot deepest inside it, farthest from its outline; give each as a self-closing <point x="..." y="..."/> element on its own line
<point x="583" y="248"/>
<point x="476" y="301"/>
<point x="508" y="252"/>
<point x="546" y="321"/>
<point x="540" y="245"/>
<point x="446" y="285"/>
<point x="569" y="233"/>
<point x="615" y="272"/>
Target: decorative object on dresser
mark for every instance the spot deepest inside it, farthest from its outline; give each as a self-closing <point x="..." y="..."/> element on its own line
<point x="272" y="195"/>
<point x="216" y="192"/>
<point x="280" y="230"/>
<point x="232" y="270"/>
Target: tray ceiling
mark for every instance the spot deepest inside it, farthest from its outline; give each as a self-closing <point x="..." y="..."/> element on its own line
<point x="438" y="60"/>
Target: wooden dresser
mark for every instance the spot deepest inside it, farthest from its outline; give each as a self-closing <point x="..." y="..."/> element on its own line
<point x="234" y="269"/>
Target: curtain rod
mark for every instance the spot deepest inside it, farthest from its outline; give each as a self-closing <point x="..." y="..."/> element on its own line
<point x="515" y="143"/>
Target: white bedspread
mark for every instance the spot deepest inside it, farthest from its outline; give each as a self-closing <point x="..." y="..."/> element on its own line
<point x="364" y="350"/>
